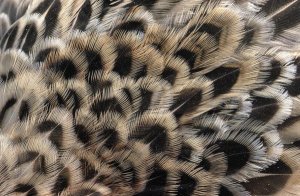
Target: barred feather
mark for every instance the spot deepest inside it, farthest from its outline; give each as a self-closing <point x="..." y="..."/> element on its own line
<point x="136" y="97"/>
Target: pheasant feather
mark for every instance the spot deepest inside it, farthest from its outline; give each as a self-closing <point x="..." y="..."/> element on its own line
<point x="142" y="97"/>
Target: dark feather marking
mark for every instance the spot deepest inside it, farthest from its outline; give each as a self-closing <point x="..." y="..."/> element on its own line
<point x="26" y="188"/>
<point x="56" y="137"/>
<point x="273" y="5"/>
<point x="202" y="131"/>
<point x="84" y="16"/>
<point x="187" y="185"/>
<point x="146" y="100"/>
<point x="62" y="181"/>
<point x="288" y="18"/>
<point x="212" y="30"/>
<point x="208" y="28"/>
<point x="169" y="75"/>
<point x="7" y="77"/>
<point x="153" y="134"/>
<point x="279" y="172"/>
<point x="106" y="5"/>
<point x="30" y="35"/>
<point x="225" y="192"/>
<point x="147" y="3"/>
<point x="248" y="36"/>
<point x="105" y="8"/>
<point x="274" y="72"/>
<point x="94" y="60"/>
<point x="131" y="26"/>
<point x="187" y="101"/>
<point x="61" y="102"/>
<point x="141" y="73"/>
<point x="73" y="98"/>
<point x="42" y="7"/>
<point x="43" y="54"/>
<point x="10" y="36"/>
<point x="188" y="56"/>
<point x="224" y="79"/>
<point x="156" y="184"/>
<point x="24" y="110"/>
<point x="185" y="153"/>
<point x="128" y="95"/>
<point x="237" y="154"/>
<point x="6" y="107"/>
<point x="88" y="170"/>
<point x="51" y="18"/>
<point x="102" y="106"/>
<point x="66" y="68"/>
<point x="294" y="87"/>
<point x="205" y="164"/>
<point x="40" y="165"/>
<point x="82" y="134"/>
<point x="48" y="125"/>
<point x="123" y="61"/>
<point x="110" y="136"/>
<point x="133" y="174"/>
<point x="263" y="108"/>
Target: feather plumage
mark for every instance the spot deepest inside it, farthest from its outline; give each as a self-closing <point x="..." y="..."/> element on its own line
<point x="165" y="97"/>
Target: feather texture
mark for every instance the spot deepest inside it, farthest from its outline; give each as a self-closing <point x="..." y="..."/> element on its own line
<point x="136" y="97"/>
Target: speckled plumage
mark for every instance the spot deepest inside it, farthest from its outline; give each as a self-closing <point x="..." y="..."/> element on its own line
<point x="136" y="97"/>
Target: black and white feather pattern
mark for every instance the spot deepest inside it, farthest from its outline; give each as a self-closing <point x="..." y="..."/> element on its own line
<point x="143" y="97"/>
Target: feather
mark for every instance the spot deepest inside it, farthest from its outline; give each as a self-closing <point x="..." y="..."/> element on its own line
<point x="135" y="97"/>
